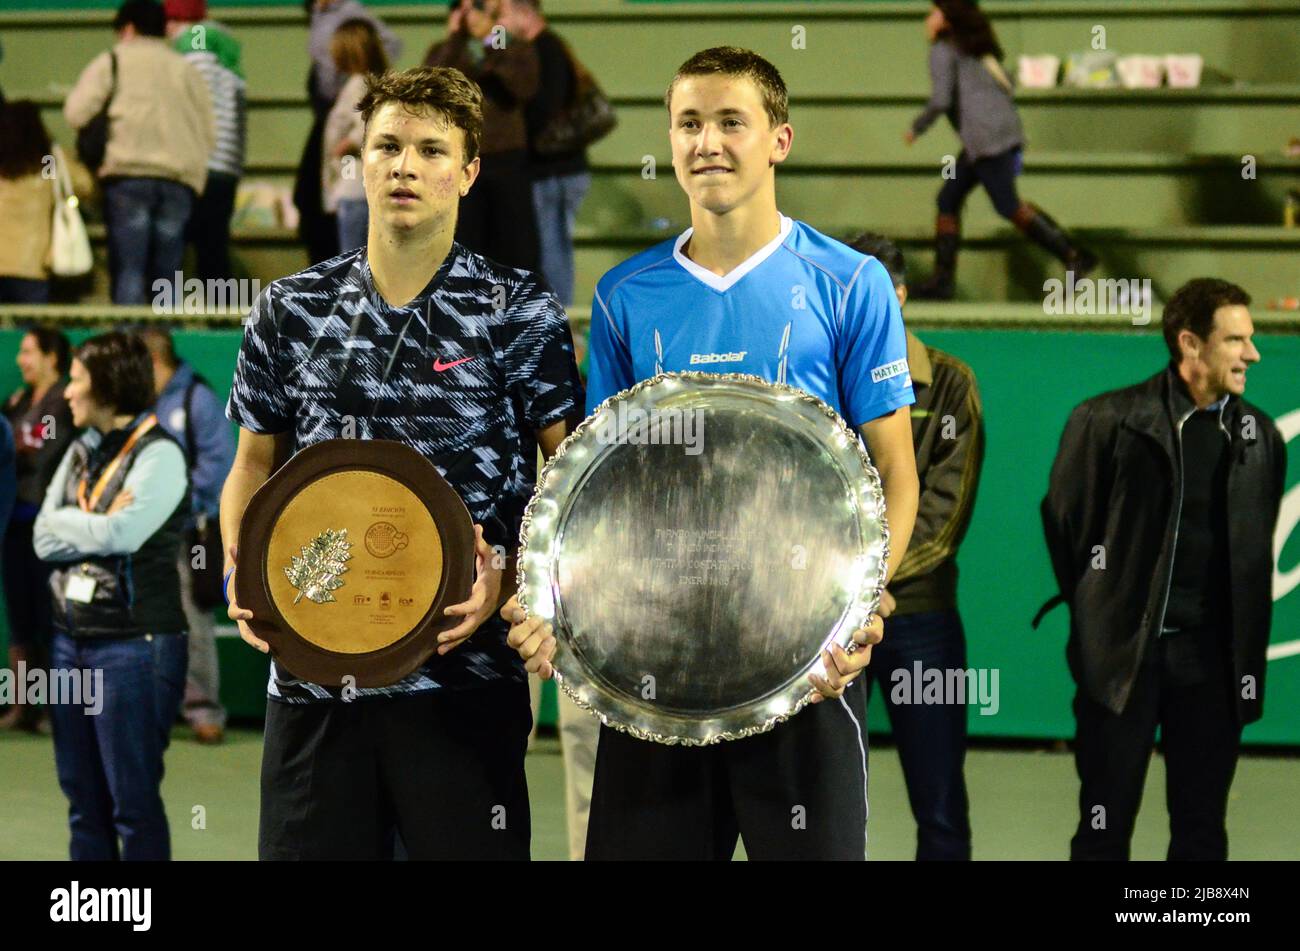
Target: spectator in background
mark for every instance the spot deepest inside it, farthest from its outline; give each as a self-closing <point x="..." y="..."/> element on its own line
<point x="318" y="230"/>
<point x="326" y="17"/>
<point x="8" y="495"/>
<point x="27" y="202"/>
<point x="189" y="410"/>
<point x="924" y="626"/>
<point x="112" y="521"/>
<point x="160" y="136"/>
<point x="358" y="54"/>
<point x="560" y="182"/>
<point x="1159" y="519"/>
<point x="496" y="218"/>
<point x="8" y="478"/>
<point x="216" y="55"/>
<point x="43" y="430"/>
<point x="969" y="85"/>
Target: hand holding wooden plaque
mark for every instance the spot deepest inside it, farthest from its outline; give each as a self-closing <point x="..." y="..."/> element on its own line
<point x="349" y="555"/>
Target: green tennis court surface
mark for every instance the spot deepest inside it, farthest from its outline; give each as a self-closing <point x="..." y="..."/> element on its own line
<point x="1022" y="803"/>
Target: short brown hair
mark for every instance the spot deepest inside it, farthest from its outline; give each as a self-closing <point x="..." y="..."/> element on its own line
<point x="159" y="341"/>
<point x="355" y="47"/>
<point x="52" y="340"/>
<point x="733" y="61"/>
<point x="442" y="89"/>
<point x="1192" y="308"/>
<point x="121" y="372"/>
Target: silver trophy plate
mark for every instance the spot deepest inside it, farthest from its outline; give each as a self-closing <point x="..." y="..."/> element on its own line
<point x="696" y="543"/>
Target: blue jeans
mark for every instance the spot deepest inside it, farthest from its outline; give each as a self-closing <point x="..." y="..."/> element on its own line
<point x="110" y="763"/>
<point x="146" y="220"/>
<point x="931" y="737"/>
<point x="354" y="223"/>
<point x="556" y="201"/>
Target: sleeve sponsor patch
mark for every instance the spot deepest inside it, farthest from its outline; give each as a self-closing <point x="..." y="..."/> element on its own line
<point x="882" y="373"/>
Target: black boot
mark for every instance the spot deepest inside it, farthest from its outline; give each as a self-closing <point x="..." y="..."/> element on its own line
<point x="1039" y="226"/>
<point x="942" y="284"/>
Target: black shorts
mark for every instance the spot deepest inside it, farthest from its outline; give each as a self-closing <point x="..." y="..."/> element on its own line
<point x="444" y="770"/>
<point x="798" y="791"/>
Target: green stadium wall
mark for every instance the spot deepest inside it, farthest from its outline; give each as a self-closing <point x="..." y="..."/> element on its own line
<point x="1029" y="381"/>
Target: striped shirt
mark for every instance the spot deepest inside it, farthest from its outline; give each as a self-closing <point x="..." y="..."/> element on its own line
<point x="466" y="374"/>
<point x="215" y="54"/>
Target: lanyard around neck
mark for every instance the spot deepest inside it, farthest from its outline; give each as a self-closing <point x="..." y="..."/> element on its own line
<point x="88" y="503"/>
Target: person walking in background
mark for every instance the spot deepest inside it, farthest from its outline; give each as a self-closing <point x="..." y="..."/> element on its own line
<point x="111" y="522"/>
<point x="189" y="410"/>
<point x="27" y="199"/>
<point x="161" y="133"/>
<point x="358" y="55"/>
<point x="43" y="430"/>
<point x="924" y="630"/>
<point x="216" y="55"/>
<point x="1159" y="520"/>
<point x="317" y="229"/>
<point x="496" y="218"/>
<point x="969" y="85"/>
<point x="560" y="181"/>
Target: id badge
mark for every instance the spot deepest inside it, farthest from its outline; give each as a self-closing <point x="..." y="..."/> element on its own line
<point x="80" y="588"/>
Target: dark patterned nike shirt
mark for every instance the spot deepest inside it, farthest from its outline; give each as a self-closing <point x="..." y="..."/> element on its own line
<point x="465" y="374"/>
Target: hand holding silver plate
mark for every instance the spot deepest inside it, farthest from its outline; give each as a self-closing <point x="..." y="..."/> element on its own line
<point x="695" y="545"/>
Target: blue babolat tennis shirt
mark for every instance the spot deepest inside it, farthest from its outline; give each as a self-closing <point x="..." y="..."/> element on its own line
<point x="805" y="310"/>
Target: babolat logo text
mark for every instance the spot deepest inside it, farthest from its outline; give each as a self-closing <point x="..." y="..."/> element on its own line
<point x="103" y="904"/>
<point x="697" y="358"/>
<point x="888" y="370"/>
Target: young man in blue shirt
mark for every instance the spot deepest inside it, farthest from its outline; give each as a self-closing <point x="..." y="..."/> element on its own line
<point x="748" y="290"/>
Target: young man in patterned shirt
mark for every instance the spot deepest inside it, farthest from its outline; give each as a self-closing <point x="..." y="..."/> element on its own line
<point x="416" y="339"/>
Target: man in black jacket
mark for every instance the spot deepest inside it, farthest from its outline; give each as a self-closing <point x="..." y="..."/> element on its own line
<point x="1159" y="519"/>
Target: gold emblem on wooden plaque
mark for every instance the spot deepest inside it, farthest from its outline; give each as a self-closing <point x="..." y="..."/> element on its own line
<point x="348" y="555"/>
<point x="389" y="587"/>
<point x="316" y="571"/>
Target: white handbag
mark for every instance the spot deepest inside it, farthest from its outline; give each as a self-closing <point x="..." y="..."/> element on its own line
<point x="70" y="254"/>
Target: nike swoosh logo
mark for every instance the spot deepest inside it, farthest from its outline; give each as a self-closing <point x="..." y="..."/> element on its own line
<point x="440" y="366"/>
